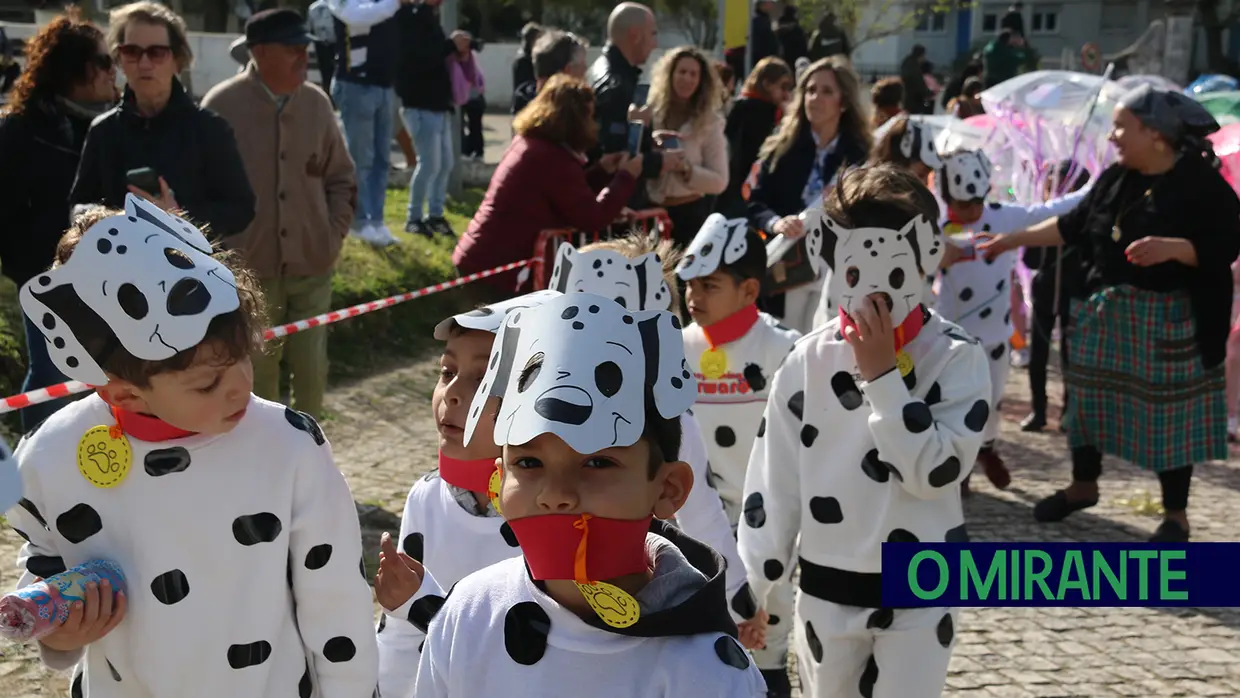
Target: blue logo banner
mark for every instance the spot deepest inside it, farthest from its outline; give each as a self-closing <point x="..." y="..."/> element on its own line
<point x="1060" y="574"/>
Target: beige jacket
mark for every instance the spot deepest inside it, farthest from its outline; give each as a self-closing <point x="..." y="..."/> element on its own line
<point x="707" y="150"/>
<point x="301" y="172"/>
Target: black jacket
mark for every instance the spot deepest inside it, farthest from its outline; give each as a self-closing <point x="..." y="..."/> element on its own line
<point x="192" y="148"/>
<point x="828" y="41"/>
<point x="762" y="39"/>
<point x="749" y="123"/>
<point x="522" y="69"/>
<point x="791" y="36"/>
<point x="1042" y="261"/>
<point x="40" y="149"/>
<point x="614" y="80"/>
<point x="523" y="95"/>
<point x="422" y="79"/>
<point x="778" y="194"/>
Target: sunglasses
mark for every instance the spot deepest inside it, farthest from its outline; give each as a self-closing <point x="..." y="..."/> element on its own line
<point x="134" y="53"/>
<point x="103" y="62"/>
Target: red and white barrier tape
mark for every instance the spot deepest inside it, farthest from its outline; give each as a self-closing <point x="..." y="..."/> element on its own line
<point x="54" y="392"/>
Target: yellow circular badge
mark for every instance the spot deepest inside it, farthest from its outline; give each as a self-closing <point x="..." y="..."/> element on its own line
<point x="904" y="362"/>
<point x="613" y="604"/>
<point x="104" y="456"/>
<point x="493" y="486"/>
<point x="714" y="363"/>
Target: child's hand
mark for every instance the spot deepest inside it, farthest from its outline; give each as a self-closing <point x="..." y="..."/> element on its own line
<point x="399" y="576"/>
<point x="753" y="631"/>
<point x="873" y="339"/>
<point x="89" y="619"/>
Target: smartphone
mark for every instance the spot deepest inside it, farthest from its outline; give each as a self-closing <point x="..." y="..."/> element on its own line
<point x="671" y="143"/>
<point x="968" y="251"/>
<point x="144" y="178"/>
<point x="641" y="94"/>
<point x="636" y="130"/>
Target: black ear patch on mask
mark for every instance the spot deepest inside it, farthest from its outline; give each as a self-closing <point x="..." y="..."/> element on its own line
<point x="566" y="270"/>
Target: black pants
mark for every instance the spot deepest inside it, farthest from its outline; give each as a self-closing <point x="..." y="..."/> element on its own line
<point x="472" y="140"/>
<point x="326" y="55"/>
<point x="1044" y="314"/>
<point x="1087" y="467"/>
<point x="687" y="219"/>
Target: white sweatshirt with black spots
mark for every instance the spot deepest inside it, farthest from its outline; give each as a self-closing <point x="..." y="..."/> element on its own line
<point x="241" y="554"/>
<point x="976" y="294"/>
<point x="847" y="465"/>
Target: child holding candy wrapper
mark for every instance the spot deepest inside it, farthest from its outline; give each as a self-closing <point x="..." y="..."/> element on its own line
<point x="237" y="535"/>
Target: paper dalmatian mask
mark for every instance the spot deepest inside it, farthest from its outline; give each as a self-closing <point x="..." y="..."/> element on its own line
<point x="967" y="175"/>
<point x="488" y="318"/>
<point x="917" y="143"/>
<point x="146" y="278"/>
<point x="581" y="367"/>
<point x="879" y="260"/>
<point x="720" y="241"/>
<point x="10" y="478"/>
<point x="636" y="284"/>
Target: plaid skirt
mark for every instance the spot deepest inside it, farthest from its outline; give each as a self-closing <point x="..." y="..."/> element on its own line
<point x="1139" y="390"/>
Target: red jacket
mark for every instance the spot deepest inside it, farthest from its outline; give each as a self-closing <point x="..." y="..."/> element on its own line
<point x="537" y="185"/>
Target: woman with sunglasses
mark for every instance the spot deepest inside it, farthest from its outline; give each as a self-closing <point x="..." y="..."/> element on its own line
<point x="69" y="80"/>
<point x="192" y="152"/>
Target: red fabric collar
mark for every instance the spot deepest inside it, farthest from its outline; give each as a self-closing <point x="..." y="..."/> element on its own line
<point x="582" y="547"/>
<point x="144" y="427"/>
<point x="731" y="328"/>
<point x="905" y="333"/>
<point x="472" y="475"/>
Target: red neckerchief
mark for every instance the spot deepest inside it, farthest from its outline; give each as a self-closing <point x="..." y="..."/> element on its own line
<point x="905" y="333"/>
<point x="731" y="328"/>
<point x="146" y="428"/>
<point x="953" y="218"/>
<point x="472" y="475"/>
<point x="582" y="547"/>
<point x="751" y="94"/>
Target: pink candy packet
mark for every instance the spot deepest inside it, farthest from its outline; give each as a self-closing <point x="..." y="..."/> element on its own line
<point x="33" y="611"/>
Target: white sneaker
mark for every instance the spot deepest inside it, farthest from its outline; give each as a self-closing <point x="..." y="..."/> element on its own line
<point x="370" y="236"/>
<point x="1020" y="358"/>
<point x="384" y="236"/>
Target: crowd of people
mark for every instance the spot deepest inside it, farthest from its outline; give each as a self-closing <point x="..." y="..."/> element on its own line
<point x="683" y="455"/>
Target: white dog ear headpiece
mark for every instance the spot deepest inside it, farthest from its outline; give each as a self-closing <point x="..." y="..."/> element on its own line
<point x="10" y="478"/>
<point x="489" y="318"/>
<point x="583" y="368"/>
<point x="878" y="260"/>
<point x="145" y="281"/>
<point x="719" y="241"/>
<point x="917" y="143"/>
<point x="966" y="176"/>
<point x="636" y="284"/>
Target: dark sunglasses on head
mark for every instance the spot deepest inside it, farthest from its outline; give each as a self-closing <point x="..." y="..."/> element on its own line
<point x="102" y="61"/>
<point x="157" y="54"/>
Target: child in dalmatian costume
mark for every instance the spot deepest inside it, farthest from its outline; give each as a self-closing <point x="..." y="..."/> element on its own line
<point x="607" y="600"/>
<point x="872" y="422"/>
<point x="734" y="351"/>
<point x="975" y="292"/>
<point x="642" y="283"/>
<point x="449" y="524"/>
<point x="236" y="532"/>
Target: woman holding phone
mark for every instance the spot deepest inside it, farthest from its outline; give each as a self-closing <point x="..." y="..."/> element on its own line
<point x="157" y="143"/>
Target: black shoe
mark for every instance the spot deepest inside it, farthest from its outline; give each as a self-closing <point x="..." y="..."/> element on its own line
<point x="1058" y="507"/>
<point x="440" y="226"/>
<point x="777" y="683"/>
<point x="419" y="228"/>
<point x="1169" y="532"/>
<point x="1035" y="422"/>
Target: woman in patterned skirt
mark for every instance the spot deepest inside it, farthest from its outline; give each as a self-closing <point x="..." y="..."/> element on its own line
<point x="1157" y="235"/>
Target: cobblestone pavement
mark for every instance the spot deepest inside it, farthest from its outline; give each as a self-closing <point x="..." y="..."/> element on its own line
<point x="383" y="437"/>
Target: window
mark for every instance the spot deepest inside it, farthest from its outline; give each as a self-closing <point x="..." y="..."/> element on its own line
<point x="990" y="22"/>
<point x="1045" y="20"/>
<point x="930" y="22"/>
<point x="1117" y="16"/>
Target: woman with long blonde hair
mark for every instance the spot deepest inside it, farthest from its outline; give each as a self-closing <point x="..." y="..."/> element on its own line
<point x="684" y="101"/>
<point x="826" y="130"/>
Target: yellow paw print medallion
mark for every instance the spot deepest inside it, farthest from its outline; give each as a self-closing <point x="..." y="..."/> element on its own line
<point x="714" y="363"/>
<point x="904" y="362"/>
<point x="493" y="486"/>
<point x="615" y="606"/>
<point x="104" y="456"/>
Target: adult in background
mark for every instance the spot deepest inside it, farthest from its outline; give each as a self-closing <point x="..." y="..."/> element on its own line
<point x="69" y="81"/>
<point x="1145" y="370"/>
<point x="299" y="165"/>
<point x="555" y="52"/>
<point x="1003" y="58"/>
<point x="969" y="103"/>
<point x="763" y="41"/>
<point x="887" y="99"/>
<point x="793" y="45"/>
<point x="157" y="125"/>
<point x="727" y="86"/>
<point x="828" y="39"/>
<point x="468" y="93"/>
<point x="917" y="95"/>
<point x="824" y="131"/>
<point x="425" y="88"/>
<point x="323" y="27"/>
<point x="542" y="183"/>
<point x="632" y="35"/>
<point x="523" y="63"/>
<point x="684" y="99"/>
<point x="1014" y="20"/>
<point x="368" y="42"/>
<point x="752" y="119"/>
<point x="973" y="69"/>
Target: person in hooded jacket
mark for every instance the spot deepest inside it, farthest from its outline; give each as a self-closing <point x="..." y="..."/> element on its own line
<point x="157" y="125"/>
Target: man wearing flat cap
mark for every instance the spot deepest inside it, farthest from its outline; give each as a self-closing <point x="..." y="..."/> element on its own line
<point x="299" y="166"/>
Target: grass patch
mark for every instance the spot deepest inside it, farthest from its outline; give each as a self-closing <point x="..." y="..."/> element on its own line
<point x="357" y="346"/>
